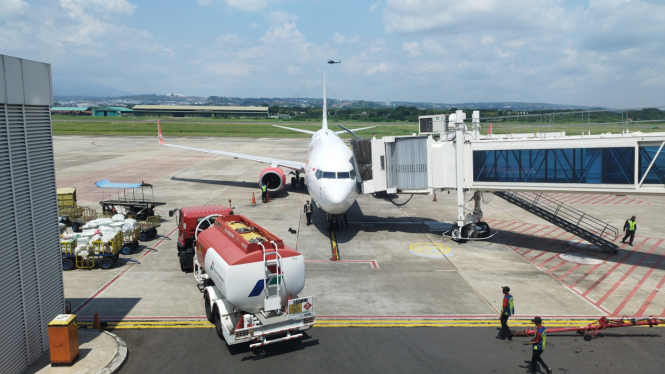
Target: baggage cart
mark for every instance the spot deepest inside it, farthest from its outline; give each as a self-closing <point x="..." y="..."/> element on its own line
<point x="103" y="253"/>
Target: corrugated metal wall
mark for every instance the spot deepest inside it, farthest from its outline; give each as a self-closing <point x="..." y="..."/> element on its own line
<point x="31" y="289"/>
<point x="406" y="161"/>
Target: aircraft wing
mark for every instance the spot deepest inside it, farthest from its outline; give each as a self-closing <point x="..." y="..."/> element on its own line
<point x="298" y="130"/>
<point x="353" y="130"/>
<point x="295" y="165"/>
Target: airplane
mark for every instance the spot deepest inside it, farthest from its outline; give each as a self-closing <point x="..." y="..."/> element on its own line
<point x="331" y="171"/>
<point x="333" y="62"/>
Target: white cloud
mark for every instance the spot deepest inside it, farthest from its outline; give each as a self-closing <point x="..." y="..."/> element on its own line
<point x="286" y="31"/>
<point x="253" y="26"/>
<point x="380" y="68"/>
<point x="374" y="6"/>
<point x="339" y="38"/>
<point x="487" y="39"/>
<point x="413" y="48"/>
<point x="294" y="70"/>
<point x="233" y="68"/>
<point x="12" y="7"/>
<point x="248" y="5"/>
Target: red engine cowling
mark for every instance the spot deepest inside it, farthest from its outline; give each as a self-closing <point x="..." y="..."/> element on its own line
<point x="274" y="176"/>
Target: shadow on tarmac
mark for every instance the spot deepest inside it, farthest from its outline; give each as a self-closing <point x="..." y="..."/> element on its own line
<point x="642" y="259"/>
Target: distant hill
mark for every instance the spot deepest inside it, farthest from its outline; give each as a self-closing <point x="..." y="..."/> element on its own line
<point x="303" y="102"/>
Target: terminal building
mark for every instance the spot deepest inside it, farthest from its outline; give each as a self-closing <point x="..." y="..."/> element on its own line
<point x="31" y="284"/>
<point x="196" y="111"/>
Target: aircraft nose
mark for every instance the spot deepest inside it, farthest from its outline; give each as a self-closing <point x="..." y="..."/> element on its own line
<point x="337" y="197"/>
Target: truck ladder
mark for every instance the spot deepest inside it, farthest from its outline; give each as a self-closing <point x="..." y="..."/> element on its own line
<point x="572" y="220"/>
<point x="272" y="292"/>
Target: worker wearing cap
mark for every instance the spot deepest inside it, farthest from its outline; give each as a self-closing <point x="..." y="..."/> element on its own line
<point x="629" y="227"/>
<point x="308" y="209"/>
<point x="507" y="310"/>
<point x="538" y="343"/>
<point x="264" y="192"/>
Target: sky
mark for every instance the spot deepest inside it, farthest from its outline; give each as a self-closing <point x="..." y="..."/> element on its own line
<point x="579" y="52"/>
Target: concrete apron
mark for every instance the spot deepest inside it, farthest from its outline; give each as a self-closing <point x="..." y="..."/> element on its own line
<point x="394" y="261"/>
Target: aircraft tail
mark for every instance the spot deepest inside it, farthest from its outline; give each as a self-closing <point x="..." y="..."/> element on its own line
<point x="325" y="107"/>
<point x="159" y="132"/>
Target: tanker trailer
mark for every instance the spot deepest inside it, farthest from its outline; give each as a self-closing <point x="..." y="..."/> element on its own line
<point x="251" y="283"/>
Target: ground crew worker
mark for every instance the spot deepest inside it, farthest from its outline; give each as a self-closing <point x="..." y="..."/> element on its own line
<point x="507" y="310"/>
<point x="344" y="221"/>
<point x="264" y="192"/>
<point x="629" y="227"/>
<point x="308" y="209"/>
<point x="538" y="343"/>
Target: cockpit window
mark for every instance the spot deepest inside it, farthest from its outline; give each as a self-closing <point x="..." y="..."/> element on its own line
<point x="318" y="174"/>
<point x="353" y="174"/>
<point x="329" y="174"/>
<point x="343" y="175"/>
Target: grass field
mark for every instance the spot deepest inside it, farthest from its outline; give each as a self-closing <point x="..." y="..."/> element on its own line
<point x="125" y="126"/>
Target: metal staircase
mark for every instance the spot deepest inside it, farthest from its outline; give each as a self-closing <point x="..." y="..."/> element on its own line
<point x="572" y="220"/>
<point x="273" y="289"/>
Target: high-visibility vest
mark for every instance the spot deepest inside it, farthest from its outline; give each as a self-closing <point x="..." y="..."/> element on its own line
<point x="264" y="188"/>
<point x="510" y="310"/>
<point x="631" y="225"/>
<point x="308" y="208"/>
<point x="543" y="336"/>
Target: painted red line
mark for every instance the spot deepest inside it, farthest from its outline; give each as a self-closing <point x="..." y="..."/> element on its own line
<point x="592" y="270"/>
<point x="513" y="233"/>
<point x="549" y="250"/>
<point x="640" y="202"/>
<point x="552" y="270"/>
<point x="627" y="273"/>
<point x="649" y="299"/>
<point x="637" y="287"/>
<point x="583" y="198"/>
<point x="569" y="271"/>
<point x="607" y="274"/>
<point x="372" y="263"/>
<point x="553" y="238"/>
<point x="505" y="227"/>
<point x="107" y="285"/>
<point x="588" y="199"/>
<point x="624" y="198"/>
<point x="595" y="200"/>
<point x="557" y="254"/>
<point x="613" y="199"/>
<point x="570" y="198"/>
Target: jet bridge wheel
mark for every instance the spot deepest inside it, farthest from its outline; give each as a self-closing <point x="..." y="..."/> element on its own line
<point x="485" y="230"/>
<point x="458" y="233"/>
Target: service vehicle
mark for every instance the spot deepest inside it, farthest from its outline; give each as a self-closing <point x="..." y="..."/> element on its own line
<point x="250" y="282"/>
<point x="187" y="219"/>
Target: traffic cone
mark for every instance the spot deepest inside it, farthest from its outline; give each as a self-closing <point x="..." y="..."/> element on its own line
<point x="434" y="199"/>
<point x="95" y="323"/>
<point x="267" y="197"/>
<point x="253" y="198"/>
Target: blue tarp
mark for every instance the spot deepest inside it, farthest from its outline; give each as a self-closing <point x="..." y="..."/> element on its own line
<point x="107" y="184"/>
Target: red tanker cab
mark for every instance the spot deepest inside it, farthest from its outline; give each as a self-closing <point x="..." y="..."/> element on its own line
<point x="238" y="241"/>
<point x="190" y="217"/>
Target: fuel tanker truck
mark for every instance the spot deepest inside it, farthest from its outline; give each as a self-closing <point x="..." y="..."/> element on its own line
<point x="251" y="282"/>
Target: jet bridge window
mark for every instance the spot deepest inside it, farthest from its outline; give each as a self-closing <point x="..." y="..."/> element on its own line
<point x="343" y="175"/>
<point x="329" y="174"/>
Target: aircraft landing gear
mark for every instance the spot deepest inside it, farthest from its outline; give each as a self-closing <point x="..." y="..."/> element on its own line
<point x="297" y="181"/>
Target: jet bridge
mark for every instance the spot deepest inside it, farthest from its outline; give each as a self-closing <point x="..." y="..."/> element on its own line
<point x="513" y="166"/>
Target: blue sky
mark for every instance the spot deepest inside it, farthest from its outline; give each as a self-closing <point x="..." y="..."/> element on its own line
<point x="585" y="52"/>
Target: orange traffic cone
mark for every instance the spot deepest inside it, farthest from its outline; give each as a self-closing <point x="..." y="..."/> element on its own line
<point x="267" y="197"/>
<point x="95" y="323"/>
<point x="253" y="198"/>
<point x="434" y="199"/>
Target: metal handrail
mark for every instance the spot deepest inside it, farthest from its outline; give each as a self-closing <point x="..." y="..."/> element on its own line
<point x="564" y="212"/>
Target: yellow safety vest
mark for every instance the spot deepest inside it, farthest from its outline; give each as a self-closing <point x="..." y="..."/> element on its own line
<point x="264" y="188"/>
<point x="631" y="225"/>
<point x="308" y="208"/>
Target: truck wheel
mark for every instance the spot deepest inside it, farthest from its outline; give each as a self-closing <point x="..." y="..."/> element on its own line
<point x="67" y="264"/>
<point x="144" y="236"/>
<point x="209" y="315"/>
<point x="456" y="232"/>
<point x="218" y="324"/>
<point x="106" y="263"/>
<point x="76" y="227"/>
<point x="126" y="249"/>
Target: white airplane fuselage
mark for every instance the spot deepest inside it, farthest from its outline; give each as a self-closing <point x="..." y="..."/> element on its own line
<point x="331" y="174"/>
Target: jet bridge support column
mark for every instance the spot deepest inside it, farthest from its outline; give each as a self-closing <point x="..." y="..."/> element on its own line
<point x="460" y="129"/>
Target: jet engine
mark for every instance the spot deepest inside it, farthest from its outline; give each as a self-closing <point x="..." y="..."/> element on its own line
<point x="274" y="176"/>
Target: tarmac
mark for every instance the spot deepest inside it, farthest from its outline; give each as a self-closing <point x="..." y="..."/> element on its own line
<point x="395" y="264"/>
